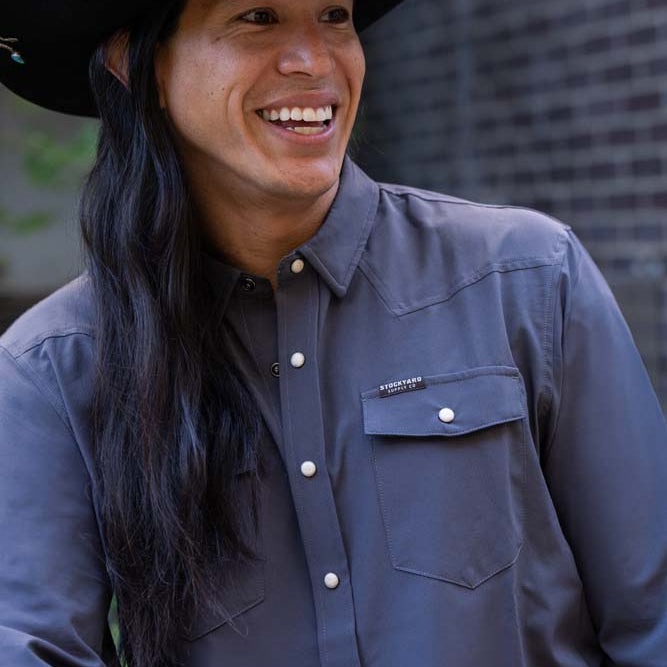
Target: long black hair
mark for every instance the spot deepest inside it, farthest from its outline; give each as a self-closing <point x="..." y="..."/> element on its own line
<point x="173" y="424"/>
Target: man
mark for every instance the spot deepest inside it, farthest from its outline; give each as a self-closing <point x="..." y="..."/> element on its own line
<point x="291" y="416"/>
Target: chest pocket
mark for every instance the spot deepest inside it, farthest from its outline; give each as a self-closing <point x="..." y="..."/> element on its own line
<point x="449" y="464"/>
<point x="241" y="586"/>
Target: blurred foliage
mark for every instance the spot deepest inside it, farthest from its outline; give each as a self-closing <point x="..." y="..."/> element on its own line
<point x="57" y="164"/>
<point x="49" y="162"/>
<point x="25" y="223"/>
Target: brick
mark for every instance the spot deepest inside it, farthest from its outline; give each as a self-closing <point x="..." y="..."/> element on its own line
<point x="524" y="177"/>
<point x="580" y="141"/>
<point x="486" y="124"/>
<point x="644" y="102"/>
<point x="603" y="107"/>
<point x="522" y="119"/>
<point x="613" y="9"/>
<point x="642" y="36"/>
<point x="658" y="66"/>
<point x="542" y="145"/>
<point x="618" y="73"/>
<point x="659" y="132"/>
<point x="621" y="136"/>
<point x="597" y="45"/>
<point x="571" y="19"/>
<point x="519" y="60"/>
<point x="544" y="204"/>
<point x="577" y="79"/>
<point x="560" y="174"/>
<point x="585" y="203"/>
<point x="626" y="200"/>
<point x="602" y="170"/>
<point x="649" y="232"/>
<point x="647" y="167"/>
<point x="659" y="199"/>
<point x="560" y="113"/>
<point x="558" y="53"/>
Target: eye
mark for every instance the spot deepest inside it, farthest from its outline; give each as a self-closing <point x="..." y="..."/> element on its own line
<point x="259" y="16"/>
<point x="338" y="15"/>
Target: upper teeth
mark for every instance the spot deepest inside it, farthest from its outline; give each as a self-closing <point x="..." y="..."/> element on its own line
<point x="308" y="114"/>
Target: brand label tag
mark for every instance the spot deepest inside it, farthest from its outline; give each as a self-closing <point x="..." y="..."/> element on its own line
<point x="401" y="386"/>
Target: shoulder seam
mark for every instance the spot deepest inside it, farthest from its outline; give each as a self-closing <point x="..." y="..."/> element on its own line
<point x="48" y="335"/>
<point x="24" y="368"/>
<point x="28" y="372"/>
<point x="548" y="337"/>
<point x="566" y="324"/>
<point x="523" y="264"/>
<point x="387" y="187"/>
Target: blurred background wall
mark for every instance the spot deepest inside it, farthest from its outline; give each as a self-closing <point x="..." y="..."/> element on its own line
<point x="559" y="106"/>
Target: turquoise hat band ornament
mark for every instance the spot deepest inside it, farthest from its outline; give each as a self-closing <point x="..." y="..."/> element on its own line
<point x="15" y="55"/>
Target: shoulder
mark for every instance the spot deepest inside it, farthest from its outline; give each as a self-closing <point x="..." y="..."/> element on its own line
<point x="49" y="348"/>
<point x="65" y="312"/>
<point x="426" y="246"/>
<point x="484" y="232"/>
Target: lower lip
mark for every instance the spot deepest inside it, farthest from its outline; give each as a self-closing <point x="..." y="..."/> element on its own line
<point x="303" y="139"/>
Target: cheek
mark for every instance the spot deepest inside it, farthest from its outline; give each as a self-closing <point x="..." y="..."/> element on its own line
<point x="198" y="104"/>
<point x="355" y="65"/>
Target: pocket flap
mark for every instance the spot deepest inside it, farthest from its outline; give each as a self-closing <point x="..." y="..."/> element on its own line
<point x="475" y="399"/>
<point x="241" y="590"/>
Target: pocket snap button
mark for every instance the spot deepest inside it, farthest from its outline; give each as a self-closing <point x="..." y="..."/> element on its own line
<point x="446" y="415"/>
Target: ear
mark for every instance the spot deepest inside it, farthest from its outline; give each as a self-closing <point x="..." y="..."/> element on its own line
<point x="117" y="56"/>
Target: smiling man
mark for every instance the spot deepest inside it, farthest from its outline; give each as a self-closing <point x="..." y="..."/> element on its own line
<point x="290" y="416"/>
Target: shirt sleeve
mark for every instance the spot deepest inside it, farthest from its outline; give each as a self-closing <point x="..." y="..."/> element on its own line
<point x="606" y="466"/>
<point x="54" y="590"/>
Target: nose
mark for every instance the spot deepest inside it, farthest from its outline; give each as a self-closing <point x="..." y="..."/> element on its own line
<point x="306" y="52"/>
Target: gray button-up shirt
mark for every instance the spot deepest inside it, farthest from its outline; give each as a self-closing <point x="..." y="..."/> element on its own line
<point x="467" y="464"/>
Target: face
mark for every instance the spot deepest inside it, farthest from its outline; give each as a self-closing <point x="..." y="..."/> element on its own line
<point x="263" y="98"/>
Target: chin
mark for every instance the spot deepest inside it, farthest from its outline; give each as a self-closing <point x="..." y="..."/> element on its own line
<point x="317" y="172"/>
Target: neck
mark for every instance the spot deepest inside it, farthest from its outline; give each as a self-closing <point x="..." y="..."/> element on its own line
<point x="253" y="233"/>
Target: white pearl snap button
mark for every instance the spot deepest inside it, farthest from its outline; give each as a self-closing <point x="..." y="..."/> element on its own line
<point x="331" y="580"/>
<point x="297" y="360"/>
<point x="308" y="468"/>
<point x="446" y="415"/>
<point x="297" y="266"/>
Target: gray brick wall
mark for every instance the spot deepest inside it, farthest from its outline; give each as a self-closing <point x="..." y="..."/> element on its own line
<point x="560" y="106"/>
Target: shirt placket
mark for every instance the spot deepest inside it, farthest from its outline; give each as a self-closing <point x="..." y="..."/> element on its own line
<point x="297" y="301"/>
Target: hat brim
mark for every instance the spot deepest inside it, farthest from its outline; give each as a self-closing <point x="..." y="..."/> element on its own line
<point x="57" y="49"/>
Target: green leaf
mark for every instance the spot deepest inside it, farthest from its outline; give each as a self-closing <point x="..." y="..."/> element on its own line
<point x="26" y="224"/>
<point x="57" y="164"/>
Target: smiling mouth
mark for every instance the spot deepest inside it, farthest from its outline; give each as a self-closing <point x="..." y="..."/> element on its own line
<point x="301" y="120"/>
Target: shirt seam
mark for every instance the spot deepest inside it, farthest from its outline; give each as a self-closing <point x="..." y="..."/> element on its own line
<point x="485" y="271"/>
<point x="566" y="324"/>
<point x="47" y="335"/>
<point x="548" y="335"/>
<point x="388" y="187"/>
<point x="29" y="373"/>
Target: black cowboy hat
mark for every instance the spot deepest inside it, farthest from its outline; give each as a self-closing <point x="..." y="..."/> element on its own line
<point x="46" y="45"/>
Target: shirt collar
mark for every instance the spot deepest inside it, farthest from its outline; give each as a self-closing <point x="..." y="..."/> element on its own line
<point x="334" y="250"/>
